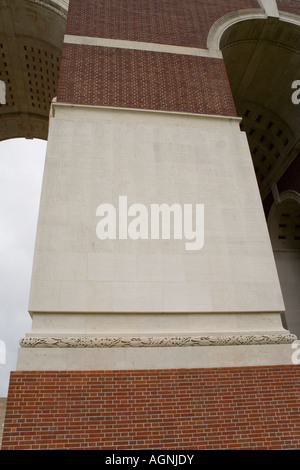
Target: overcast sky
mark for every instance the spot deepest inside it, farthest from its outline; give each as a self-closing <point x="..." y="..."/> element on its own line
<point x="21" y="171"/>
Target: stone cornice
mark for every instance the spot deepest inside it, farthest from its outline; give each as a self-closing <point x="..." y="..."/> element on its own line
<point x="141" y="46"/>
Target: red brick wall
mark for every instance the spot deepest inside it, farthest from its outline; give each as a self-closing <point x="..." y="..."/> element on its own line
<point x="291" y="6"/>
<point x="106" y="76"/>
<point x="140" y="79"/>
<point x="177" y="22"/>
<point x="148" y="80"/>
<point x="219" y="408"/>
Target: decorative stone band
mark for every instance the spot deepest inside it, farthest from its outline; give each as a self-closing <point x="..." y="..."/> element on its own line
<point x="156" y="341"/>
<point x="141" y="46"/>
<point x="58" y="6"/>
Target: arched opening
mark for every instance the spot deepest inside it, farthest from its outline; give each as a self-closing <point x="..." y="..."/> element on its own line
<point x="284" y="228"/>
<point x="31" y="38"/>
<point x="262" y="58"/>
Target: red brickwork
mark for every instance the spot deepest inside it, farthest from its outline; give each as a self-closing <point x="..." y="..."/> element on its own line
<point x="218" y="408"/>
<point x="177" y="22"/>
<point x="149" y="80"/>
<point x="291" y="6"/>
<point x="141" y="79"/>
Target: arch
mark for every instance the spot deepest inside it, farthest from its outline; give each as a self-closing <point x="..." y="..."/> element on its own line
<point x="284" y="229"/>
<point x="262" y="59"/>
<point x="225" y="22"/>
<point x="284" y="221"/>
<point x="31" y="39"/>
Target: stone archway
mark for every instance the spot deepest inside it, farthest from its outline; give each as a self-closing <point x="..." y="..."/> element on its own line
<point x="262" y="58"/>
<point x="284" y="228"/>
<point x="267" y="54"/>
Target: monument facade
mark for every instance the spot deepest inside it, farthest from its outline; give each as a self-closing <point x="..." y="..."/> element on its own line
<point x="168" y="239"/>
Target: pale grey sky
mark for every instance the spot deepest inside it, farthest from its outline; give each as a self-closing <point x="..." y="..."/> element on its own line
<point x="21" y="171"/>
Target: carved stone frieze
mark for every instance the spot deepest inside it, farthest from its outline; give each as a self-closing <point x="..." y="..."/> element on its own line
<point x="155" y="341"/>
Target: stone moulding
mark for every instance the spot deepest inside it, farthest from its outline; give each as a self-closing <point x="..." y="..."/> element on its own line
<point x="55" y="7"/>
<point x="156" y="341"/>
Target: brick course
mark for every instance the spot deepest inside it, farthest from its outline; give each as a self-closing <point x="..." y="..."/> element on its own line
<point x="177" y="22"/>
<point x="143" y="79"/>
<point x="218" y="408"/>
<point x="108" y="76"/>
<point x="291" y="6"/>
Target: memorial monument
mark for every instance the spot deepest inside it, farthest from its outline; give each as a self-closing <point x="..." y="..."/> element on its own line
<point x="168" y="243"/>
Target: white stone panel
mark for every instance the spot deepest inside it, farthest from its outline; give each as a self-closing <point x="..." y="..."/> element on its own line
<point x="96" y="155"/>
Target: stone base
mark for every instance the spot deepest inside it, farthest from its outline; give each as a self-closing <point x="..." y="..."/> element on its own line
<point x="114" y="341"/>
<point x="203" y="408"/>
<point x="153" y="358"/>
